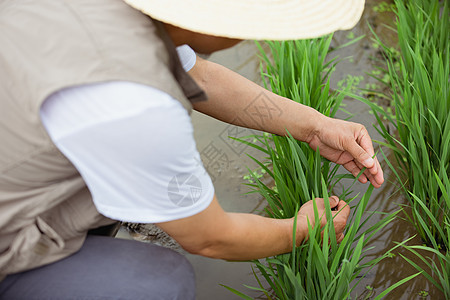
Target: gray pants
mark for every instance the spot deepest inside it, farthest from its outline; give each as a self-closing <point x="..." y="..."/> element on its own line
<point x="107" y="268"/>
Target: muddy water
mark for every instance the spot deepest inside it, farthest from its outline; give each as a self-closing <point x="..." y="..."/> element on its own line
<point x="226" y="162"/>
<point x="386" y="199"/>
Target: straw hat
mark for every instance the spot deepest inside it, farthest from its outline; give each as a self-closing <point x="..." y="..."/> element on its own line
<point x="256" y="19"/>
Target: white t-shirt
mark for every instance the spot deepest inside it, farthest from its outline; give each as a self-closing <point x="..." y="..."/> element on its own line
<point x="134" y="147"/>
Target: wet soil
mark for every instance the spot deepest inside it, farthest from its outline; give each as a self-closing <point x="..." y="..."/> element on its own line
<point x="226" y="161"/>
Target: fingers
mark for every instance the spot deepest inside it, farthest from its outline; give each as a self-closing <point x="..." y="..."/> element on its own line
<point x="343" y="210"/>
<point x="376" y="173"/>
<point x="340" y="214"/>
<point x="360" y="155"/>
<point x="361" y="148"/>
<point x="340" y="238"/>
<point x="340" y="220"/>
<point x="376" y="179"/>
<point x="334" y="201"/>
<point x="354" y="170"/>
<point x="366" y="143"/>
<point x="338" y="206"/>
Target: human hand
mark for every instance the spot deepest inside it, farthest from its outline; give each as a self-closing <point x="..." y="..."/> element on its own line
<point x="349" y="145"/>
<point x="306" y="214"/>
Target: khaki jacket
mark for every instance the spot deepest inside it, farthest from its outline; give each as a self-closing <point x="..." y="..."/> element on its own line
<point x="45" y="207"/>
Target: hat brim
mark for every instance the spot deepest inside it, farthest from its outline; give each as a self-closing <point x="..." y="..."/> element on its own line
<point x="256" y="19"/>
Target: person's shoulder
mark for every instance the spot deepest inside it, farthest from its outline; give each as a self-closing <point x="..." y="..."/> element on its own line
<point x="187" y="57"/>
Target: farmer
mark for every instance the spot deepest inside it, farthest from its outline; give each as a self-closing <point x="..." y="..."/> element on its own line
<point x="95" y="129"/>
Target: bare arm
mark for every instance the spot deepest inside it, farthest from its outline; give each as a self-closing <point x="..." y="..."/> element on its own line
<point x="238" y="236"/>
<point x="234" y="99"/>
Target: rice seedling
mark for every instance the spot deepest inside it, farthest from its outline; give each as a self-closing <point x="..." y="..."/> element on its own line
<point x="318" y="268"/>
<point x="420" y="85"/>
<point x="439" y="264"/>
<point x="419" y="79"/>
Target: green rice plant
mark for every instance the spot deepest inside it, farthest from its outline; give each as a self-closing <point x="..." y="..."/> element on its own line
<point x="440" y="266"/>
<point x="318" y="268"/>
<point x="315" y="269"/>
<point x="422" y="25"/>
<point x="297" y="70"/>
<point x="420" y="85"/>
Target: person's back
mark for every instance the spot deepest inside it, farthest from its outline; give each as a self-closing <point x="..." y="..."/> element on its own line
<point x="45" y="206"/>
